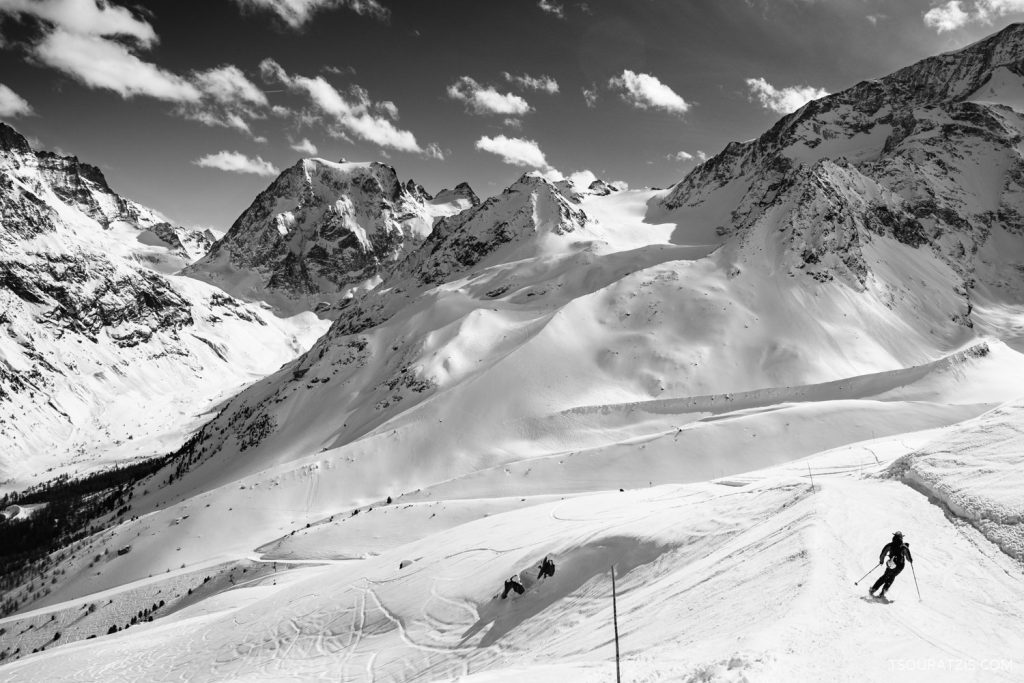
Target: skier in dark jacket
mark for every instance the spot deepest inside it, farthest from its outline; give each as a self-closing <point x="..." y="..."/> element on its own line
<point x="547" y="568"/>
<point x="512" y="584"/>
<point x="898" y="552"/>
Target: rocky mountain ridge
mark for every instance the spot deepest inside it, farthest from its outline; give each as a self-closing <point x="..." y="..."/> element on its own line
<point x="322" y="230"/>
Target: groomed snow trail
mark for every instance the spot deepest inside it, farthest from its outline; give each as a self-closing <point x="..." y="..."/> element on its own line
<point x="716" y="581"/>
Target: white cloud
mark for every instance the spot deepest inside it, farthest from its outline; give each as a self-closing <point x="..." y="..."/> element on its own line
<point x="702" y="156"/>
<point x="227" y="84"/>
<point x="107" y="64"/>
<point x="946" y="17"/>
<point x="84" y="17"/>
<point x="544" y="83"/>
<point x="434" y="151"/>
<point x="236" y="162"/>
<point x="681" y="156"/>
<point x="647" y="92"/>
<point x="486" y="100"/>
<point x="352" y="114"/>
<point x="581" y="180"/>
<point x="955" y="14"/>
<point x="783" y="100"/>
<point x="305" y="147"/>
<point x="515" y="151"/>
<point x="388" y="107"/>
<point x="12" y="104"/>
<point x="79" y="39"/>
<point x="552" y="7"/>
<point x="590" y="96"/>
<point x="296" y="13"/>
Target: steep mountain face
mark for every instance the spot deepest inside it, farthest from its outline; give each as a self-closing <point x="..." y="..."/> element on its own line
<point x="322" y="230"/>
<point x="97" y="341"/>
<point x="929" y="157"/>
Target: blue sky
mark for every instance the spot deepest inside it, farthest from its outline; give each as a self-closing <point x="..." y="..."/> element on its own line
<point x="191" y="107"/>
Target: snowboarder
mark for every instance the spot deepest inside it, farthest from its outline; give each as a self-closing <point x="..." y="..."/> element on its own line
<point x="513" y="584"/>
<point x="898" y="551"/>
<point x="547" y="568"/>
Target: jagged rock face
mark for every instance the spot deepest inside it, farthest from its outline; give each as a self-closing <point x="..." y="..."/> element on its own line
<point x="933" y="152"/>
<point x="532" y="206"/>
<point x="88" y="315"/>
<point x="526" y="214"/>
<point x="189" y="244"/>
<point x="460" y="191"/>
<point x="320" y="229"/>
<point x="75" y="183"/>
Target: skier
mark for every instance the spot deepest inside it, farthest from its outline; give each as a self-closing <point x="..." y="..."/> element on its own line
<point x="547" y="568"/>
<point x="898" y="551"/>
<point x="514" y="584"/>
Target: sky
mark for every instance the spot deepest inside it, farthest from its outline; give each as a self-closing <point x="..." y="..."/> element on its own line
<point x="192" y="108"/>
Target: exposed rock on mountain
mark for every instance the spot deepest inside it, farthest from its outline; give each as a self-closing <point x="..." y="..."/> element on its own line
<point x="929" y="157"/>
<point x="98" y="345"/>
<point x="462" y="191"/>
<point x="322" y="230"/>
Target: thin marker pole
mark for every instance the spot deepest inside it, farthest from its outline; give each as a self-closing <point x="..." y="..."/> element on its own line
<point x="812" y="475"/>
<point x="615" y="620"/>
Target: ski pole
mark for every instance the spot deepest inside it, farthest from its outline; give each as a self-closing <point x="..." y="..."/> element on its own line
<point x="871" y="570"/>
<point x="915" y="581"/>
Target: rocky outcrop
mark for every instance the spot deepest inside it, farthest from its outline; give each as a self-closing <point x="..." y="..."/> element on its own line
<point x="319" y="230"/>
<point x="910" y="147"/>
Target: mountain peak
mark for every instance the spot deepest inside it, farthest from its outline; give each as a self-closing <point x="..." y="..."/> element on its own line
<point x="13" y="141"/>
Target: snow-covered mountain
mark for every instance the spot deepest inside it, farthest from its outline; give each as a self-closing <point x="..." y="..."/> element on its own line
<point x="732" y="391"/>
<point x="323" y="230"/>
<point x="103" y="355"/>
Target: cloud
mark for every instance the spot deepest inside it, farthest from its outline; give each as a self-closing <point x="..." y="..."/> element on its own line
<point x="296" y="13"/>
<point x="434" y="151"/>
<point x="514" y="151"/>
<point x="955" y="14"/>
<point x="305" y="147"/>
<point x="644" y="91"/>
<point x="12" y="104"/>
<point x="236" y="162"/>
<point x="486" y="100"/>
<point x="84" y="17"/>
<point x="683" y="155"/>
<point x="590" y="96"/>
<point x="107" y="64"/>
<point x="228" y="85"/>
<point x="946" y="17"/>
<point x="80" y="40"/>
<point x="544" y="83"/>
<point x="552" y="7"/>
<point x="388" y="107"/>
<point x="783" y="100"/>
<point x="351" y="113"/>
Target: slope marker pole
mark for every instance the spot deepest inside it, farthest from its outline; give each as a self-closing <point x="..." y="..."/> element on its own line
<point x="615" y="621"/>
<point x="811" y="475"/>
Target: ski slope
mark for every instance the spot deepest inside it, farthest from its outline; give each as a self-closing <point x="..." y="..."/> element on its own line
<point x="692" y="556"/>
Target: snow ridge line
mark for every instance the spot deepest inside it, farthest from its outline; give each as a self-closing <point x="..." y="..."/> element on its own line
<point x="1003" y="528"/>
<point x="859" y="386"/>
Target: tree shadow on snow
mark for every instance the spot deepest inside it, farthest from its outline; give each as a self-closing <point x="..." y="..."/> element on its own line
<point x="573" y="568"/>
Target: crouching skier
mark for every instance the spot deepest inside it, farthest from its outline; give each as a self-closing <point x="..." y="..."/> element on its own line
<point x="898" y="552"/>
<point x="513" y="584"/>
<point x="547" y="568"/>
